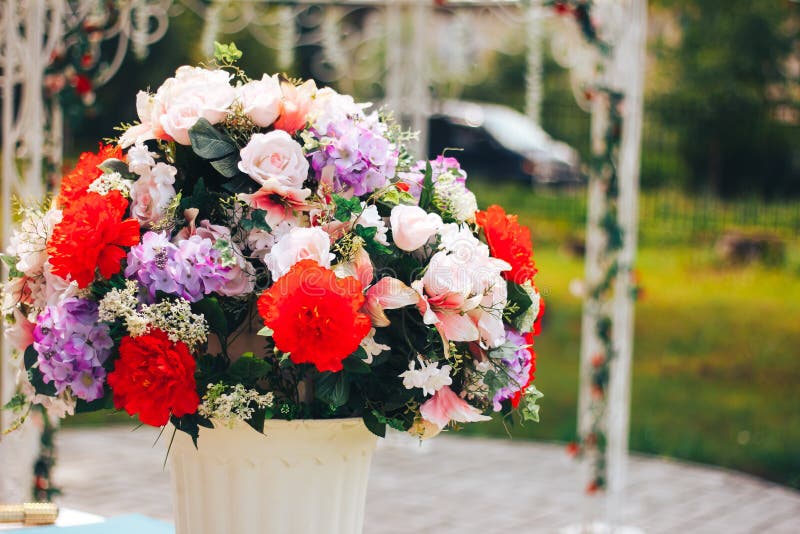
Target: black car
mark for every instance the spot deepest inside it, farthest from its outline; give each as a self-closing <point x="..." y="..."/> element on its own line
<point x="500" y="142"/>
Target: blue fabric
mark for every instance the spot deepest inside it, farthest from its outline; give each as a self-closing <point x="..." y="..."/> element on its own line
<point x="126" y="524"/>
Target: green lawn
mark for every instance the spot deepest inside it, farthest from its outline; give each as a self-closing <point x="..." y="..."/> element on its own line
<point x="716" y="362"/>
<point x="717" y="353"/>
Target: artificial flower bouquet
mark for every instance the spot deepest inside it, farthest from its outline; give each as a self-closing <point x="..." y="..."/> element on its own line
<point x="264" y="248"/>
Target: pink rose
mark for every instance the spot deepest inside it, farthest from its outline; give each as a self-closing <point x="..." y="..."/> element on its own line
<point x="446" y="406"/>
<point x="152" y="193"/>
<point x="412" y="226"/>
<point x="276" y="161"/>
<point x="261" y="100"/>
<point x="299" y="244"/>
<point x="192" y="94"/>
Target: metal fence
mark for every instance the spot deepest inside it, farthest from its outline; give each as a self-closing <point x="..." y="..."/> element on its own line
<point x="664" y="207"/>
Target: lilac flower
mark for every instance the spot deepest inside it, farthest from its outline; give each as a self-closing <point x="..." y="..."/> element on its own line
<point x="516" y="358"/>
<point x="72" y="345"/>
<point x="190" y="269"/>
<point x="362" y="159"/>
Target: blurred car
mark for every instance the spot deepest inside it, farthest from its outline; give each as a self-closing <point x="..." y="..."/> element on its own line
<point x="501" y="142"/>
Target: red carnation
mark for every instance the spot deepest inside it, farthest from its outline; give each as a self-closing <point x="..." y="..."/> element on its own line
<point x="75" y="184"/>
<point x="154" y="377"/>
<point x="91" y="235"/>
<point x="509" y="241"/>
<point x="314" y="315"/>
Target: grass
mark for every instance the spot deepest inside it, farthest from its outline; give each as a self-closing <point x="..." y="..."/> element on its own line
<point x="716" y="357"/>
<point x="717" y="350"/>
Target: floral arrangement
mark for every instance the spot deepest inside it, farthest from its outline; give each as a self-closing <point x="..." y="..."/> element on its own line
<point x="264" y="248"/>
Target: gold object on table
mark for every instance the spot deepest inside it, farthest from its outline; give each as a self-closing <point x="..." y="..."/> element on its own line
<point x="30" y="513"/>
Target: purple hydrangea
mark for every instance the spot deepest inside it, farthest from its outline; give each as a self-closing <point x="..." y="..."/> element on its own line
<point x="441" y="165"/>
<point x="190" y="269"/>
<point x="362" y="159"/>
<point x="72" y="345"/>
<point x="518" y="366"/>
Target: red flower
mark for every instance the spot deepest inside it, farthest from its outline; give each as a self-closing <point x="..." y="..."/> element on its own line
<point x="314" y="315"/>
<point x="75" y="184"/>
<point x="154" y="377"/>
<point x="509" y="241"/>
<point x="82" y="84"/>
<point x="91" y="235"/>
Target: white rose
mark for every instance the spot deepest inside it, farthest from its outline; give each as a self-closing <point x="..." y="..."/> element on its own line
<point x="299" y="244"/>
<point x="275" y="160"/>
<point x="261" y="100"/>
<point x="370" y="218"/>
<point x="140" y="159"/>
<point x="329" y="107"/>
<point x="193" y="93"/>
<point x="412" y="226"/>
<point x="152" y="193"/>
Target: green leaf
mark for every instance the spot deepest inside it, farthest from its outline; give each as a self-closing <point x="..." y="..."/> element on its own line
<point x="257" y="220"/>
<point x="519" y="297"/>
<point x="249" y="369"/>
<point x="213" y="313"/>
<point x="227" y="166"/>
<point x="346" y="207"/>
<point x="374" y="425"/>
<point x="30" y="358"/>
<point x="333" y="388"/>
<point x="208" y="142"/>
<point x="227" y="53"/>
<point x="114" y="165"/>
<point x="81" y="406"/>
<point x="241" y="183"/>
<point x="426" y="196"/>
<point x="355" y="363"/>
<point x="266" y="332"/>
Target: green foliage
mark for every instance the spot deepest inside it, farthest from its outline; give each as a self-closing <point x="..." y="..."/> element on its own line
<point x="257" y="220"/>
<point x="30" y="358"/>
<point x="208" y="142"/>
<point x="248" y="369"/>
<point x="333" y="388"/>
<point x="728" y="75"/>
<point x="346" y="207"/>
<point x="226" y="53"/>
<point x="426" y="196"/>
<point x="215" y="316"/>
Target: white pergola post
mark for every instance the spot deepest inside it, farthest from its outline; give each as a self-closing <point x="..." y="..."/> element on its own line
<point x="26" y="43"/>
<point x="624" y="72"/>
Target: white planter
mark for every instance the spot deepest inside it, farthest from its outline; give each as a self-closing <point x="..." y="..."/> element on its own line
<point x="300" y="477"/>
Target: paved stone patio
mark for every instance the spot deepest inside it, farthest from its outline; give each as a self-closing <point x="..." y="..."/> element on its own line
<point x="454" y="484"/>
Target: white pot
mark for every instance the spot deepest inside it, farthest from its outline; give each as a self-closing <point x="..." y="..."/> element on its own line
<point x="300" y="477"/>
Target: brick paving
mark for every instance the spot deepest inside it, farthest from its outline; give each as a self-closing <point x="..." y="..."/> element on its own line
<point x="455" y="484"/>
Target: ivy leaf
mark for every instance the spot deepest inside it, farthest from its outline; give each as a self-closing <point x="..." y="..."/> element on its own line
<point x="426" y="196"/>
<point x="208" y="142"/>
<point x="333" y="388"/>
<point x="249" y="369"/>
<point x="227" y="166"/>
<point x="346" y="207"/>
<point x="257" y="220"/>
